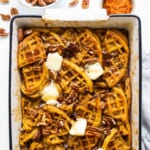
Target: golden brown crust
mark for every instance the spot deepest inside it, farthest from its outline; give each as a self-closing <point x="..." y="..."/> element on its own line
<point x="103" y="102"/>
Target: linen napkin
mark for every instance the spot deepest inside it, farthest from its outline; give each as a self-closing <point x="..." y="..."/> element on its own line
<point x="146" y="101"/>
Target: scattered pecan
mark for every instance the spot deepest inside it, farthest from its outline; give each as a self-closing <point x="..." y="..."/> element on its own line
<point x="20" y="34"/>
<point x="34" y="2"/>
<point x="3" y="32"/>
<point x="85" y="4"/>
<point x="108" y="121"/>
<point x="32" y="112"/>
<point x="91" y="60"/>
<point x="40" y="2"/>
<point x="5" y="17"/>
<point x="46" y="131"/>
<point x="14" y="11"/>
<point x="72" y="97"/>
<point x="70" y="50"/>
<point x="73" y="3"/>
<point x="50" y="1"/>
<point x="4" y="1"/>
<point x="92" y="131"/>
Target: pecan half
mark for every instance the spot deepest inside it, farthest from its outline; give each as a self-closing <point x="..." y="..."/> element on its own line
<point x="3" y="32"/>
<point x="73" y="3"/>
<point x="20" y="34"/>
<point x="85" y="4"/>
<point x="5" y="17"/>
<point x="41" y="3"/>
<point x="108" y="121"/>
<point x="95" y="131"/>
<point x="14" y="11"/>
<point x="49" y="1"/>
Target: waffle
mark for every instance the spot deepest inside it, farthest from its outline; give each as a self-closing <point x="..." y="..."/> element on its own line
<point x="34" y="79"/>
<point x="82" y="143"/>
<point x="31" y="50"/>
<point x="55" y="42"/>
<point x="58" y="116"/>
<point x="36" y="145"/>
<point x="71" y="73"/>
<point x="91" y="111"/>
<point x="117" y="106"/>
<point x="115" y="57"/>
<point x="86" y="45"/>
<point x="103" y="104"/>
<point x="114" y="141"/>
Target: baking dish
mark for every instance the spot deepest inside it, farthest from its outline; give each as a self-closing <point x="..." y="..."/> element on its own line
<point x="131" y="23"/>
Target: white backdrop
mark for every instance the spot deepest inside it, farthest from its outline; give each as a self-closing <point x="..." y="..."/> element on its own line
<point x="141" y="8"/>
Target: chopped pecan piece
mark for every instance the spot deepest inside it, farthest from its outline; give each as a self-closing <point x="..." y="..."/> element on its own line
<point x="85" y="4"/>
<point x="73" y="3"/>
<point x="3" y="32"/>
<point x="49" y="1"/>
<point x="46" y="131"/>
<point x="20" y="34"/>
<point x="93" y="131"/>
<point x="5" y="17"/>
<point x="32" y="112"/>
<point x="70" y="50"/>
<point x="41" y="3"/>
<point x="108" y="121"/>
<point x="14" y="11"/>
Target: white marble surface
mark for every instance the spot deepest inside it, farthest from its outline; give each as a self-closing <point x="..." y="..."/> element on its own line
<point x="141" y="9"/>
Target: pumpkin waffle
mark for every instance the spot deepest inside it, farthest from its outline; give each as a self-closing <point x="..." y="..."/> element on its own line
<point x="114" y="141"/>
<point x="70" y="74"/>
<point x="55" y="42"/>
<point x="31" y="50"/>
<point x="90" y="110"/>
<point x="34" y="79"/>
<point x="117" y="106"/>
<point x="58" y="126"/>
<point x="82" y="143"/>
<point x="103" y="103"/>
<point x="86" y="44"/>
<point x="125" y="130"/>
<point x="115" y="55"/>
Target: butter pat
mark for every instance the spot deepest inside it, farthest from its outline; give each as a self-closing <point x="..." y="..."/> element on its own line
<point x="94" y="71"/>
<point x="54" y="61"/>
<point x="79" y="127"/>
<point x="50" y="92"/>
<point x="53" y="102"/>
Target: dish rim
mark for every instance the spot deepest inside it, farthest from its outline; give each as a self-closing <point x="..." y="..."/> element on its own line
<point x="10" y="73"/>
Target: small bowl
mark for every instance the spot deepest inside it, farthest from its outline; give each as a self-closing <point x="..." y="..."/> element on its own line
<point x="36" y="6"/>
<point x="132" y="10"/>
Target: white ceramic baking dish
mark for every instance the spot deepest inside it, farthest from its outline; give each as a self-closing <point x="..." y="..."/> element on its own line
<point x="131" y="23"/>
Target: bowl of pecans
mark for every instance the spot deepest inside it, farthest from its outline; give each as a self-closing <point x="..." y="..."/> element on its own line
<point x="38" y="3"/>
